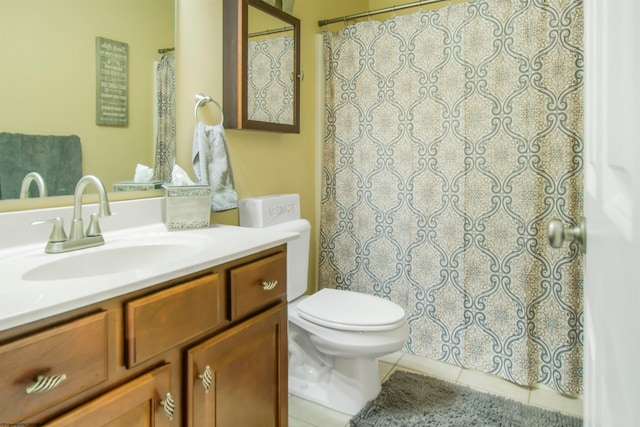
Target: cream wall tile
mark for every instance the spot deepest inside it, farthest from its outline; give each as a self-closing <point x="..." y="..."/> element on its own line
<point x="557" y="402"/>
<point x="294" y="422"/>
<point x="495" y="385"/>
<point x="392" y="358"/>
<point x="430" y="367"/>
<point x="384" y="369"/>
<point x="316" y="415"/>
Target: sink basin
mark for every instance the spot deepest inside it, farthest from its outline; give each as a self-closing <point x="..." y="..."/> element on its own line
<point x="139" y="252"/>
<point x="138" y="255"/>
<point x="110" y="261"/>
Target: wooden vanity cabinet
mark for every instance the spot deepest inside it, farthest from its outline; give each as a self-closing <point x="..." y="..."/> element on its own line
<point x="238" y="378"/>
<point x="140" y="359"/>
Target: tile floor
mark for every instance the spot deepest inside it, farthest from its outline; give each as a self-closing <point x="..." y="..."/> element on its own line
<point x="303" y="413"/>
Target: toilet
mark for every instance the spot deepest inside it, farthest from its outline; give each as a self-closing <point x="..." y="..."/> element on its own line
<point x="335" y="336"/>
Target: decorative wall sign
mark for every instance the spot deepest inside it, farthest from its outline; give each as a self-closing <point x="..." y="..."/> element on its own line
<point x="112" y="82"/>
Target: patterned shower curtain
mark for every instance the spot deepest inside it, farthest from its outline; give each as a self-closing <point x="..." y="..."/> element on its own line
<point x="165" y="151"/>
<point x="452" y="138"/>
<point x="270" y="81"/>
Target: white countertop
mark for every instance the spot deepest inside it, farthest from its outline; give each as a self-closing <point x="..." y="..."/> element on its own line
<point x="23" y="301"/>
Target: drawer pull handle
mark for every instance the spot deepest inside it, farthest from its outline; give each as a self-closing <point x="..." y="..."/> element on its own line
<point x="207" y="378"/>
<point x="44" y="384"/>
<point x="169" y="406"/>
<point x="267" y="286"/>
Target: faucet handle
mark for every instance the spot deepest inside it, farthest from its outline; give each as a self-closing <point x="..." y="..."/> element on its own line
<point x="94" y="226"/>
<point x="57" y="232"/>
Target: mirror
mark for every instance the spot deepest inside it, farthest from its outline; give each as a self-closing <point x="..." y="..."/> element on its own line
<point x="261" y="71"/>
<point x="49" y="79"/>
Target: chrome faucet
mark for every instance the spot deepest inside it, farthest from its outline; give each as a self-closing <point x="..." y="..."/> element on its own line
<point x="26" y="182"/>
<point x="103" y="209"/>
<point x="78" y="238"/>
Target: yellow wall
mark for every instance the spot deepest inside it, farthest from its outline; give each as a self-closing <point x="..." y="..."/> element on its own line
<point x="263" y="162"/>
<point x="47" y="87"/>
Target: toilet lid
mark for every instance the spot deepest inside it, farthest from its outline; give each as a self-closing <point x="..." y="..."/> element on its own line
<point x="351" y="311"/>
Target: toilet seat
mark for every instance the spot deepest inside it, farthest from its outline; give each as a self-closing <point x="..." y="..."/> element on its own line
<point x="351" y="311"/>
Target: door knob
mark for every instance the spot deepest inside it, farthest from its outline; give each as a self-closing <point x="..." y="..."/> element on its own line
<point x="558" y="234"/>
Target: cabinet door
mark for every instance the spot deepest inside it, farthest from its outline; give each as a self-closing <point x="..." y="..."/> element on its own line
<point x="245" y="371"/>
<point x="138" y="403"/>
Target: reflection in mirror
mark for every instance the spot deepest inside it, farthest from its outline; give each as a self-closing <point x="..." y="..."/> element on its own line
<point x="270" y="69"/>
<point x="265" y="96"/>
<point x="48" y="89"/>
<point x="25" y="187"/>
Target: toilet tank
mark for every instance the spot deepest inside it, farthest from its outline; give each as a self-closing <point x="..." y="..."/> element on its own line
<point x="282" y="212"/>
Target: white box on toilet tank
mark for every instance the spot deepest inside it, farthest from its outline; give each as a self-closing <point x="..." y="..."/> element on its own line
<point x="266" y="211"/>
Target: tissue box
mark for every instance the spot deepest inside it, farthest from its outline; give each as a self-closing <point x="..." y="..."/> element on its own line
<point x="186" y="206"/>
<point x="136" y="186"/>
<point x="269" y="210"/>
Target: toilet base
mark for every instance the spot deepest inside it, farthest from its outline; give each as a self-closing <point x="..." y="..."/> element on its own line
<point x="346" y="387"/>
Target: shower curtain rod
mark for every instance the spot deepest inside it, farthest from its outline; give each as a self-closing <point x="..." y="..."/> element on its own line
<point x="379" y="11"/>
<point x="275" y="31"/>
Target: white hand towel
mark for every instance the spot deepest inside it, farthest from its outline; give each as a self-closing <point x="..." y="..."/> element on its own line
<point x="211" y="165"/>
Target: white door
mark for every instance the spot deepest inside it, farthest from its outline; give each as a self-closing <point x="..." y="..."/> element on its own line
<point x="612" y="209"/>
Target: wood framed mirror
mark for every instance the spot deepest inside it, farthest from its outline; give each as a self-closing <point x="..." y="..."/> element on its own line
<point x="261" y="70"/>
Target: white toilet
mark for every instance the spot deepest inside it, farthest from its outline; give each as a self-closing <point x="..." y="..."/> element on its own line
<point x="335" y="336"/>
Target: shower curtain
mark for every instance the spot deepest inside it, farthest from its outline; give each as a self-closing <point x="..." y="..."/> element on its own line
<point x="270" y="80"/>
<point x="165" y="109"/>
<point x="452" y="138"/>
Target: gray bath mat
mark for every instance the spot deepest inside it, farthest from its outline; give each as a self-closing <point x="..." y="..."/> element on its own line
<point x="409" y="399"/>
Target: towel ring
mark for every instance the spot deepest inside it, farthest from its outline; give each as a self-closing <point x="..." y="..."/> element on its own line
<point x="202" y="99"/>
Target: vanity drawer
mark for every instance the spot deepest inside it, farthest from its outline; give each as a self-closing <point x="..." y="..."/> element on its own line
<point x="138" y="402"/>
<point x="76" y="350"/>
<point x="257" y="284"/>
<point x="162" y="320"/>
